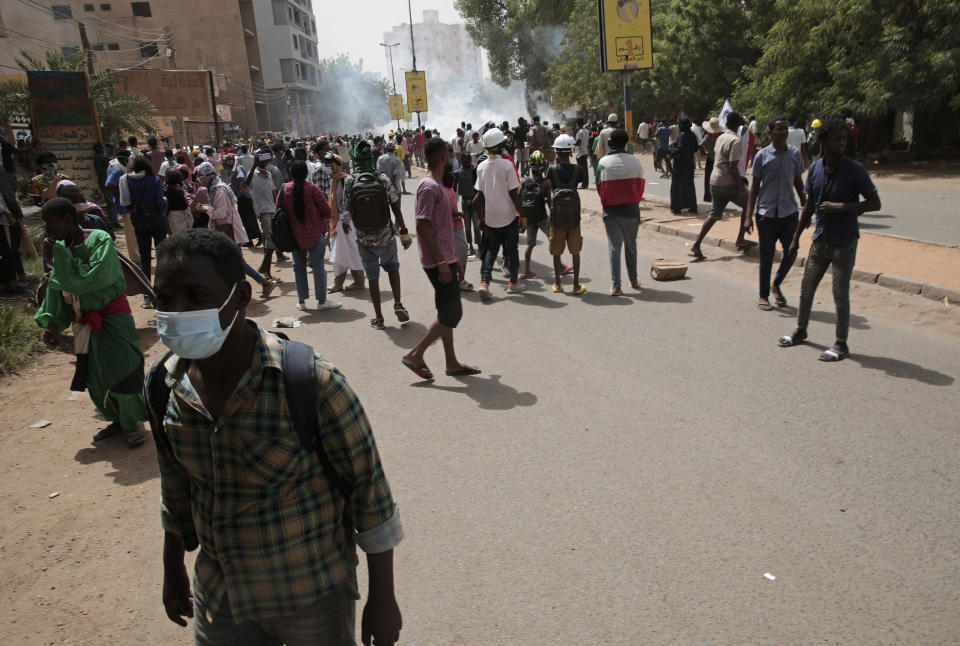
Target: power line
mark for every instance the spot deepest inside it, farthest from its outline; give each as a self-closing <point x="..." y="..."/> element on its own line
<point x="49" y="11"/>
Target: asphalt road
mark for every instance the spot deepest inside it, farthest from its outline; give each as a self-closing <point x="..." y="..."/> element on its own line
<point x="629" y="470"/>
<point x="922" y="210"/>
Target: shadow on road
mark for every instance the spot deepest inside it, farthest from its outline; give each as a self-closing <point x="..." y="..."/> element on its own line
<point x="489" y="392"/>
<point x="857" y="322"/>
<point x="131" y="466"/>
<point x="342" y="315"/>
<point x="896" y="368"/>
<point x="407" y="335"/>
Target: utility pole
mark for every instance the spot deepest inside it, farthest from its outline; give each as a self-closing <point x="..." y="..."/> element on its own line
<point x="392" y="75"/>
<point x="85" y="43"/>
<point x="213" y="107"/>
<point x="413" y="49"/>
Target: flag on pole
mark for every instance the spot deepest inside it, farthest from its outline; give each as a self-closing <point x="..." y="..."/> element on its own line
<point x="746" y="138"/>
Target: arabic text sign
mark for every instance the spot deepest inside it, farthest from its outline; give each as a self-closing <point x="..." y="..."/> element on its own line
<point x="73" y="146"/>
<point x="417" y="91"/>
<point x="174" y="93"/>
<point x="625" y="35"/>
<point x="396" y="106"/>
<point x="60" y="98"/>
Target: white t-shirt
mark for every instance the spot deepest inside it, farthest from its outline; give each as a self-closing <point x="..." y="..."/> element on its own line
<point x="796" y="137"/>
<point x="474" y="147"/>
<point x="496" y="177"/>
<point x="643" y="130"/>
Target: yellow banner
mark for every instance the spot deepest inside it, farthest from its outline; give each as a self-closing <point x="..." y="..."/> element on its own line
<point x="417" y="91"/>
<point x="625" y="35"/>
<point x="407" y="116"/>
<point x="396" y="106"/>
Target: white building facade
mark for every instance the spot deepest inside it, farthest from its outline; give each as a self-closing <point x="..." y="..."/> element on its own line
<point x="445" y="52"/>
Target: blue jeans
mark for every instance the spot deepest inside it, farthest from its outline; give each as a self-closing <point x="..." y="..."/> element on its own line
<point x="316" y="265"/>
<point x="770" y="231"/>
<point x="509" y="238"/>
<point x="622" y="232"/>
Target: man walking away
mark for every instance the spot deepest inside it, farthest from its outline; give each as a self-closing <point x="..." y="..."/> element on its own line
<point x="777" y="171"/>
<point x="439" y="261"/>
<point x="661" y="158"/>
<point x="390" y="165"/>
<point x="276" y="523"/>
<point x="620" y="186"/>
<point x="583" y="152"/>
<point x="264" y="194"/>
<point x="534" y="197"/>
<point x="797" y="138"/>
<point x="603" y="140"/>
<point x="726" y="184"/>
<point x="712" y="130"/>
<point x="497" y="203"/>
<point x="565" y="214"/>
<point x="834" y="186"/>
<point x="466" y="179"/>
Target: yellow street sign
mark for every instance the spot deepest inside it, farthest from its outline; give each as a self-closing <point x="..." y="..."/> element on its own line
<point x="406" y="113"/>
<point x="417" y="91"/>
<point x="625" y="35"/>
<point x="396" y="106"/>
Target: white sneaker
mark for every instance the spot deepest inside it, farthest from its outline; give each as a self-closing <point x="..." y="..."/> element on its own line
<point x="484" y="291"/>
<point x="515" y="289"/>
<point x="302" y="307"/>
<point x="328" y="305"/>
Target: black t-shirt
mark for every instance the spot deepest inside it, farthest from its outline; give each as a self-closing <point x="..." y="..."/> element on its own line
<point x="176" y="200"/>
<point x="520" y="134"/>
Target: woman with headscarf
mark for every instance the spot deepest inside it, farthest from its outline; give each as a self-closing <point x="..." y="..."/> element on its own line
<point x="309" y="214"/>
<point x="683" y="193"/>
<point x="344" y="253"/>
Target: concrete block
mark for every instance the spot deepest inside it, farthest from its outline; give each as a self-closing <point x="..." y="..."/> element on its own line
<point x="729" y="245"/>
<point x="899" y="283"/>
<point x="651" y="226"/>
<point x="688" y="234"/>
<point x="666" y="229"/>
<point x="865" y="276"/>
<point x="939" y="292"/>
<point x="712" y="240"/>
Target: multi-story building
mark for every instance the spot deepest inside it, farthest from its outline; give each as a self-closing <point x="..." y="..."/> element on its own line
<point x="287" y="33"/>
<point x="263" y="53"/>
<point x="445" y="52"/>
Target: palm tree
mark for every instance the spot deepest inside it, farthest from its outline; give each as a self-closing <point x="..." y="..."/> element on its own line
<point x="119" y="112"/>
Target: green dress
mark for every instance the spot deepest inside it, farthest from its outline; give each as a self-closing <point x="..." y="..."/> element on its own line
<point x="113" y="370"/>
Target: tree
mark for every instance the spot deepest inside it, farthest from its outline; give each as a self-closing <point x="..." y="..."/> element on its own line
<point x="351" y="100"/>
<point x="119" y="112"/>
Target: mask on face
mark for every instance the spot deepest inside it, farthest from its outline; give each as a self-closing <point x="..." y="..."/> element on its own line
<point x="196" y="334"/>
<point x="49" y="171"/>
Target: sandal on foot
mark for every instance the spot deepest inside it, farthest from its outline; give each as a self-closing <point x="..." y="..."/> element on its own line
<point x="527" y="275"/>
<point x="423" y="372"/>
<point x="790" y="340"/>
<point x="335" y="288"/>
<point x="566" y="270"/>
<point x="696" y="253"/>
<point x="579" y="291"/>
<point x="765" y="307"/>
<point x="113" y="430"/>
<point x="377" y="324"/>
<point x="779" y="298"/>
<point x="402" y="314"/>
<point x="834" y="354"/>
<point x="616" y="291"/>
<point x="464" y="371"/>
<point x="558" y="289"/>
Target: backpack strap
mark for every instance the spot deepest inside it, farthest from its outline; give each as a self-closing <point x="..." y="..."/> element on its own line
<point x="157" y="395"/>
<point x="299" y="380"/>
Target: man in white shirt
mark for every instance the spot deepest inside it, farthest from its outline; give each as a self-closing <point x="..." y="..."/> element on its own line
<point x="475" y="146"/>
<point x="496" y="205"/>
<point x="583" y="151"/>
<point x="603" y="139"/>
<point x="797" y="138"/>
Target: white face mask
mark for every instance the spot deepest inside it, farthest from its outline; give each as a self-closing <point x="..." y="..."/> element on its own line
<point x="196" y="334"/>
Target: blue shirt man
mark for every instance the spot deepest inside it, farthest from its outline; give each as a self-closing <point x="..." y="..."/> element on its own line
<point x="848" y="181"/>
<point x="777" y="172"/>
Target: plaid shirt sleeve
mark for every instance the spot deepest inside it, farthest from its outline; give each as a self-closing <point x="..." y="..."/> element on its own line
<point x="175" y="509"/>
<point x="348" y="440"/>
<point x="392" y="195"/>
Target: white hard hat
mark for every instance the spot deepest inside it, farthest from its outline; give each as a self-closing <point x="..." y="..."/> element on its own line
<point x="612" y="117"/>
<point x="563" y="142"/>
<point x="493" y="137"/>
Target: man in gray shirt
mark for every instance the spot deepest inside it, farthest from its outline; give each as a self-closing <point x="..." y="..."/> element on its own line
<point x="777" y="170"/>
<point x="263" y="189"/>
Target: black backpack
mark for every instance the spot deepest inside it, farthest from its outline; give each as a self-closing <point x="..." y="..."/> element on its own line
<point x="283" y="236"/>
<point x="299" y="381"/>
<point x="565" y="210"/>
<point x="531" y="201"/>
<point x="369" y="206"/>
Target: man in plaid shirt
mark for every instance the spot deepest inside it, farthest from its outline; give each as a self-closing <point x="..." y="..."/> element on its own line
<point x="276" y="563"/>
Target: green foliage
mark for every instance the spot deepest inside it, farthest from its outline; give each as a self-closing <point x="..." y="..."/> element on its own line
<point x="19" y="338"/>
<point x="119" y="112"/>
<point x="351" y="100"/>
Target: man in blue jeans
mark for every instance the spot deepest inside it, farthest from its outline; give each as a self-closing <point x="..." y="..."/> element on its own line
<point x="777" y="170"/>
<point x="834" y="186"/>
<point x="620" y="185"/>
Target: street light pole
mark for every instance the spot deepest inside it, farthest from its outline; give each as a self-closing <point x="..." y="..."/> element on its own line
<point x="392" y="75"/>
<point x="413" y="50"/>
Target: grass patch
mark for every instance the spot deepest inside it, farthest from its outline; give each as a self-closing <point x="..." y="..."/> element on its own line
<point x="19" y="338"/>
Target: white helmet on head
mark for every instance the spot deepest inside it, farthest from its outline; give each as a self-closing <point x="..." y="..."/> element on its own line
<point x="493" y="138"/>
<point x="563" y="142"/>
<point x="612" y="118"/>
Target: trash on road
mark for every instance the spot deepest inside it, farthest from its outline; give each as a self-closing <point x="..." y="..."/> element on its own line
<point x="54" y="494"/>
<point x="769" y="576"/>
<point x="41" y="424"/>
<point x="287" y="322"/>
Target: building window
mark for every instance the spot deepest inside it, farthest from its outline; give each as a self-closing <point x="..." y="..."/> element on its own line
<point x="113" y="46"/>
<point x="313" y="23"/>
<point x="97" y="47"/>
<point x="286" y="70"/>
<point x="70" y="51"/>
<point x="88" y="7"/>
<point x="105" y="7"/>
<point x="295" y="45"/>
<point x="141" y="9"/>
<point x="148" y="50"/>
<point x="279" y="15"/>
<point x="62" y="12"/>
<point x="290" y="13"/>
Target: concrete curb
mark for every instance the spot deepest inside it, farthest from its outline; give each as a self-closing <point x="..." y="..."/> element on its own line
<point x="931" y="291"/>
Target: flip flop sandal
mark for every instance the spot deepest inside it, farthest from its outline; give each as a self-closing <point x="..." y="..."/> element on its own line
<point x="698" y="255"/>
<point x="790" y="340"/>
<point x="334" y="289"/>
<point x="423" y="373"/>
<point x="402" y="315"/>
<point x="528" y="275"/>
<point x="566" y="270"/>
<point x="464" y="371"/>
<point x="781" y="301"/>
<point x="580" y="291"/>
<point x="558" y="289"/>
<point x="834" y="354"/>
<point x="113" y="430"/>
<point x="766" y="307"/>
<point x="616" y="291"/>
<point x="376" y="324"/>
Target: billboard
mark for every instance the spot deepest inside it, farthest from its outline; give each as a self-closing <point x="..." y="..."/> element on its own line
<point x="417" y="91"/>
<point x="625" y="35"/>
<point x="396" y="106"/>
<point x="174" y="93"/>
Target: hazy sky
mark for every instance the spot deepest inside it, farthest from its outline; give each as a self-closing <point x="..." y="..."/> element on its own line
<point x="355" y="27"/>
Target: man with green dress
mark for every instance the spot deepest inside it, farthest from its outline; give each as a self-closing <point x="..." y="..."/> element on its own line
<point x="86" y="290"/>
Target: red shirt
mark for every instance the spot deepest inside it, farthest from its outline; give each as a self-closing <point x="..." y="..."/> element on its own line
<point x="316" y="214"/>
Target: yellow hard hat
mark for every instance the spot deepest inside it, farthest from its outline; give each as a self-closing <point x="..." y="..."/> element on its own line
<point x="816" y="123"/>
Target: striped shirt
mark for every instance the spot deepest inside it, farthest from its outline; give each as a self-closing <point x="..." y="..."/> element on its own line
<point x="245" y="491"/>
<point x="619" y="179"/>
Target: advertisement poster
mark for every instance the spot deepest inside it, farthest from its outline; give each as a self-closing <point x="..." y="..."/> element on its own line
<point x="625" y="35"/>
